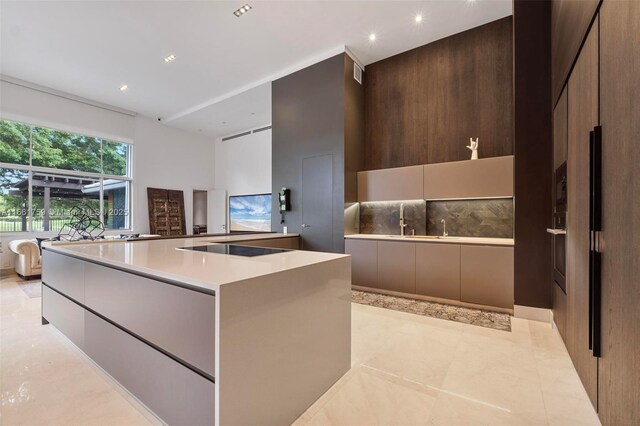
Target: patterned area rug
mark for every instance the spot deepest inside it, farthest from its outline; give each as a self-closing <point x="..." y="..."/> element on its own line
<point x="471" y="316"/>
<point x="32" y="289"/>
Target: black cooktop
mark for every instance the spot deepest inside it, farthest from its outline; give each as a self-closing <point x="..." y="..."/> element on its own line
<point x="236" y="250"/>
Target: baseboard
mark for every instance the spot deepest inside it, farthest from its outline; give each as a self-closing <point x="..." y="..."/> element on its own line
<point x="531" y="313"/>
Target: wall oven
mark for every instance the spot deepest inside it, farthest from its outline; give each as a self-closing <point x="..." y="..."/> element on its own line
<point x="559" y="229"/>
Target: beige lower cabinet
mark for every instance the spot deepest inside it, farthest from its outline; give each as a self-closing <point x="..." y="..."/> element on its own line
<point x="364" y="262"/>
<point x="397" y="266"/>
<point x="486" y="275"/>
<point x="438" y="270"/>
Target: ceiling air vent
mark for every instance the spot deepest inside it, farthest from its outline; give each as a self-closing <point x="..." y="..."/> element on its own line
<point x="357" y="73"/>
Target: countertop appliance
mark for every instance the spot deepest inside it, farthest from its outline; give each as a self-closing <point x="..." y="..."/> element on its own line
<point x="235" y="250"/>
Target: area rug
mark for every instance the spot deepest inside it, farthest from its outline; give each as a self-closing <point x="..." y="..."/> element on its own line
<point x="471" y="316"/>
<point x="32" y="289"/>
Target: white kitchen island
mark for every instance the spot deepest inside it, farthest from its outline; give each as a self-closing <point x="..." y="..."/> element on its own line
<point x="205" y="337"/>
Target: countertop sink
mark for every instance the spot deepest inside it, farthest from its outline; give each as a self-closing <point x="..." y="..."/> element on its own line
<point x="423" y="237"/>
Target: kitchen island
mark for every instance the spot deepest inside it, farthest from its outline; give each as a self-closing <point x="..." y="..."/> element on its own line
<point x="211" y="330"/>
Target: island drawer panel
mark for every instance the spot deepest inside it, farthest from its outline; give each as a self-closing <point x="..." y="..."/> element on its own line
<point x="178" y="320"/>
<point x="64" y="314"/>
<point x="64" y="273"/>
<point x="172" y="391"/>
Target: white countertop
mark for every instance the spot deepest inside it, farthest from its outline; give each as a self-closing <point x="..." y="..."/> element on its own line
<point x="208" y="271"/>
<point x="446" y="240"/>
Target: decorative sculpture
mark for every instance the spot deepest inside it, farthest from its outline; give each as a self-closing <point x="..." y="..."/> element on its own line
<point x="474" y="148"/>
<point x="84" y="225"/>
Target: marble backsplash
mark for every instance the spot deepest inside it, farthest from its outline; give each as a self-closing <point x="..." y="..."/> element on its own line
<point x="383" y="217"/>
<point x="492" y="218"/>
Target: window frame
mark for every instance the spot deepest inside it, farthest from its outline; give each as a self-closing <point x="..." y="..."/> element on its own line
<point x="31" y="169"/>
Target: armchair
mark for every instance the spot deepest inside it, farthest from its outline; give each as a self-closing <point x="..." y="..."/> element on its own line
<point x="28" y="260"/>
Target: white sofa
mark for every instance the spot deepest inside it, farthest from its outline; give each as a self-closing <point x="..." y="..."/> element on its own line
<point x="28" y="262"/>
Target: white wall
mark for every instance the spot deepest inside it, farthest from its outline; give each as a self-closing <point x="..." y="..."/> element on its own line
<point x="163" y="157"/>
<point x="243" y="165"/>
<point x="168" y="158"/>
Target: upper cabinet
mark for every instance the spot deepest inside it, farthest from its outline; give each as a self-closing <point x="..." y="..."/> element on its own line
<point x="484" y="178"/>
<point x="400" y="183"/>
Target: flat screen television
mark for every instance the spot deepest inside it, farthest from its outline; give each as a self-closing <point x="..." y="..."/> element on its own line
<point x="250" y="213"/>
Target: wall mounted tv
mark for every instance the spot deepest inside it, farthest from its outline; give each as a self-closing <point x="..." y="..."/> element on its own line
<point x="250" y="213"/>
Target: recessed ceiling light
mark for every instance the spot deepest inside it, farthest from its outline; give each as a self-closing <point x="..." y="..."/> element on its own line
<point x="170" y="58"/>
<point x="418" y="18"/>
<point x="124" y="87"/>
<point x="244" y="9"/>
<point x="372" y="37"/>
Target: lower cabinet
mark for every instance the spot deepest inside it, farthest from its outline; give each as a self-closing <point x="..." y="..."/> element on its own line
<point x="486" y="275"/>
<point x="397" y="266"/>
<point x="482" y="275"/>
<point x="438" y="270"/>
<point x="364" y="262"/>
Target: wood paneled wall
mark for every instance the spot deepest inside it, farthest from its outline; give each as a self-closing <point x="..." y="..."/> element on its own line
<point x="570" y="21"/>
<point x="533" y="152"/>
<point x="422" y="106"/>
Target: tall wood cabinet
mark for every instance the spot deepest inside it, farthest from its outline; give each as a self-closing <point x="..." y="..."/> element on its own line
<point x="602" y="89"/>
<point x="619" y="366"/>
<point x="582" y="118"/>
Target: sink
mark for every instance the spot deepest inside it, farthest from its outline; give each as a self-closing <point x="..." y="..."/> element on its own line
<point x="424" y="237"/>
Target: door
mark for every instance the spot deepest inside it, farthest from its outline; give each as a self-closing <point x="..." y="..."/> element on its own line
<point x="619" y="366"/>
<point x="317" y="203"/>
<point x="583" y="117"/>
<point x="166" y="211"/>
<point x="217" y="211"/>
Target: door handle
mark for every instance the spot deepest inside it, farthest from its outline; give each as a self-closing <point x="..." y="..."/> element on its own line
<point x="556" y="231"/>
<point x="304" y="225"/>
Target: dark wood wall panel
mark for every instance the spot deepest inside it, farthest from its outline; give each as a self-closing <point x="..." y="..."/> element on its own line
<point x="422" y="106"/>
<point x="533" y="152"/>
<point x="569" y="24"/>
<point x="619" y="367"/>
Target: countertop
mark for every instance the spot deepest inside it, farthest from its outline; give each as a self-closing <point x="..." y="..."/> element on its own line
<point x="204" y="271"/>
<point x="446" y="240"/>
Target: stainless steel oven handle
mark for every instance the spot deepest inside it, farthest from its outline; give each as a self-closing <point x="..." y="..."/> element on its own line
<point x="557" y="231"/>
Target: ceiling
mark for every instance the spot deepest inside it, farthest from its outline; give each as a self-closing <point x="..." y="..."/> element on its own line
<point x="91" y="48"/>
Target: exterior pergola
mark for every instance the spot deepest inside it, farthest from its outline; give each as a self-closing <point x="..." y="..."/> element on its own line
<point x="50" y="187"/>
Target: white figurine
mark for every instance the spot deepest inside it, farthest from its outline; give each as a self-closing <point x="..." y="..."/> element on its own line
<point x="474" y="148"/>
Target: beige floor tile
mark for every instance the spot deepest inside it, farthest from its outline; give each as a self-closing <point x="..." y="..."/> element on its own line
<point x="407" y="370"/>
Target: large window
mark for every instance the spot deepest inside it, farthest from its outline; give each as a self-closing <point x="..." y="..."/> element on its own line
<point x="46" y="174"/>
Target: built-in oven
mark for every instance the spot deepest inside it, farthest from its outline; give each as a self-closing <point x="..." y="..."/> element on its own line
<point x="559" y="230"/>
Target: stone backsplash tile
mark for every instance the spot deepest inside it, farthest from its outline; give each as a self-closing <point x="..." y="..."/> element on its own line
<point x="383" y="217"/>
<point x="472" y="218"/>
<point x="491" y="218"/>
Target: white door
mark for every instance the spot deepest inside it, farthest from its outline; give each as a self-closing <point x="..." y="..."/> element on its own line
<point x="217" y="211"/>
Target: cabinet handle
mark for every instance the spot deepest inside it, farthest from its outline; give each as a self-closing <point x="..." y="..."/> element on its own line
<point x="595" y="226"/>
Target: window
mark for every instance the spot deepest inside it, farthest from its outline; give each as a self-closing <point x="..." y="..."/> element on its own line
<point x="46" y="174"/>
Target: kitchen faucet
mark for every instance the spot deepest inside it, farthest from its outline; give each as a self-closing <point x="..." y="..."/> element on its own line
<point x="444" y="228"/>
<point x="403" y="224"/>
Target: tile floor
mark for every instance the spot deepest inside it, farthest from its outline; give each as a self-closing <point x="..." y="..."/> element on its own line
<point x="407" y="370"/>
